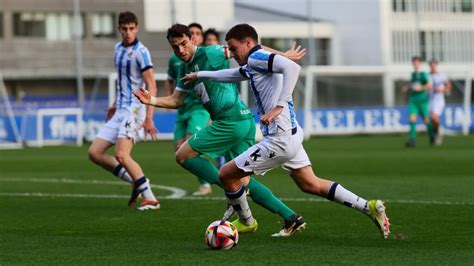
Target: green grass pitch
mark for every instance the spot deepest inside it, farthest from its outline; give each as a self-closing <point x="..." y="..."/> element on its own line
<point x="58" y="208"/>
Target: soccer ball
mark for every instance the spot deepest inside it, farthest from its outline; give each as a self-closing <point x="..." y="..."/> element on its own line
<point x="221" y="234"/>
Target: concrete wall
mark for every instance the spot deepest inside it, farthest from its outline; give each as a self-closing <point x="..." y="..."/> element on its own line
<point x="23" y="57"/>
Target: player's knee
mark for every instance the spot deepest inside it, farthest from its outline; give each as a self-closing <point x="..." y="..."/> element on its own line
<point x="122" y="157"/>
<point x="179" y="158"/>
<point x="224" y="172"/>
<point x="93" y="154"/>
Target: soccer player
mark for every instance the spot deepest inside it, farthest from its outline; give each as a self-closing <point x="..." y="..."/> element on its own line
<point x="283" y="137"/>
<point x="191" y="116"/>
<point x="418" y="101"/>
<point x="128" y="120"/>
<point x="440" y="86"/>
<point x="211" y="37"/>
<point x="233" y="128"/>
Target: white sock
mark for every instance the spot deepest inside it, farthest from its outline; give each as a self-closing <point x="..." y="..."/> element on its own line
<point x="343" y="196"/>
<point x="143" y="186"/>
<point x="122" y="173"/>
<point x="239" y="202"/>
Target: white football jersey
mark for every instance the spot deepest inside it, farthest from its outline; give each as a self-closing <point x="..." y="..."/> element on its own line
<point x="130" y="62"/>
<point x="266" y="87"/>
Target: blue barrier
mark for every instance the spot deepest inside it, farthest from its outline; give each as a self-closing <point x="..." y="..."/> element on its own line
<point x="324" y="121"/>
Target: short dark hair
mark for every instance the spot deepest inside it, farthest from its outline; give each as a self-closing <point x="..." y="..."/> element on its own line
<point x="195" y="25"/>
<point x="127" y="17"/>
<point x="211" y="31"/>
<point x="416" y="58"/>
<point x="242" y="31"/>
<point x="177" y="30"/>
<point x="434" y="61"/>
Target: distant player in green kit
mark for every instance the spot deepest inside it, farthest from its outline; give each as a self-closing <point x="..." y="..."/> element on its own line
<point x="191" y="116"/>
<point x="233" y="128"/>
<point x="418" y="101"/>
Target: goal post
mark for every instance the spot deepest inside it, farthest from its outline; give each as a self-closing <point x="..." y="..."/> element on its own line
<point x="385" y="117"/>
<point x="10" y="137"/>
<point x="53" y="126"/>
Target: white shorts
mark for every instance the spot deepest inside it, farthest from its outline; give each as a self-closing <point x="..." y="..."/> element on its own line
<point x="437" y="107"/>
<point x="126" y="123"/>
<point x="274" y="150"/>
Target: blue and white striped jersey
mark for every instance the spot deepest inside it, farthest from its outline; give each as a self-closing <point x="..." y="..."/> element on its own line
<point x="267" y="87"/>
<point x="130" y="62"/>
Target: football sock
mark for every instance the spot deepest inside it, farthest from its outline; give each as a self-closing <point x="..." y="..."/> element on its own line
<point x="203" y="169"/>
<point x="412" y="132"/>
<point x="143" y="186"/>
<point x="122" y="173"/>
<point x="343" y="196"/>
<point x="265" y="198"/>
<point x="238" y="200"/>
<point x="431" y="130"/>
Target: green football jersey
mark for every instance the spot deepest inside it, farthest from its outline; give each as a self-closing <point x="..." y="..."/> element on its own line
<point x="220" y="99"/>
<point x="191" y="101"/>
<point x="419" y="78"/>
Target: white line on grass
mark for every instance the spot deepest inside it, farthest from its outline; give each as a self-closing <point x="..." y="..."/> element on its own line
<point x="175" y="192"/>
<point x="115" y="196"/>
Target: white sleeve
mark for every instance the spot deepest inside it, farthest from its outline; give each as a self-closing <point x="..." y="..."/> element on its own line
<point x="290" y="72"/>
<point x="226" y="75"/>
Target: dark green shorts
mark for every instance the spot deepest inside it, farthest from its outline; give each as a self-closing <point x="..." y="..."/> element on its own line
<point x="228" y="138"/>
<point x="190" y="123"/>
<point x="418" y="105"/>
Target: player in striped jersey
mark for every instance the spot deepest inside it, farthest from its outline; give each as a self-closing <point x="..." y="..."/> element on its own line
<point x="128" y="121"/>
<point x="273" y="78"/>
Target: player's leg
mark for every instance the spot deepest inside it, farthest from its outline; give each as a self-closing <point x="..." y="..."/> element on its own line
<point x="123" y="150"/>
<point x="236" y="193"/>
<point x="198" y="119"/>
<point x="412" y="115"/>
<point x="259" y="193"/>
<point x="436" y="110"/>
<point x="424" y="111"/>
<point x="308" y="182"/>
<point x="130" y="132"/>
<point x="103" y="141"/>
<point x="192" y="161"/>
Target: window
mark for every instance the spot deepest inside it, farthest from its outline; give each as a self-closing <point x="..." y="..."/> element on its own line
<point x="464" y="6"/>
<point x="103" y="25"/>
<point x="322" y="49"/>
<point x="51" y="26"/>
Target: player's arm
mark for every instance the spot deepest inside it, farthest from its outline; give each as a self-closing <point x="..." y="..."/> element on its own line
<point x="148" y="124"/>
<point x="111" y="110"/>
<point x="296" y="53"/>
<point x="173" y="101"/>
<point x="426" y="85"/>
<point x="226" y="75"/>
<point x="290" y="71"/>
<point x="169" y="85"/>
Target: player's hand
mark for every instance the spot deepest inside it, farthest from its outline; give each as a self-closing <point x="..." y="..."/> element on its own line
<point x="417" y="88"/>
<point x="189" y="78"/>
<point x="143" y="96"/>
<point x="109" y="112"/>
<point x="295" y="53"/>
<point x="150" y="129"/>
<point x="270" y="116"/>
